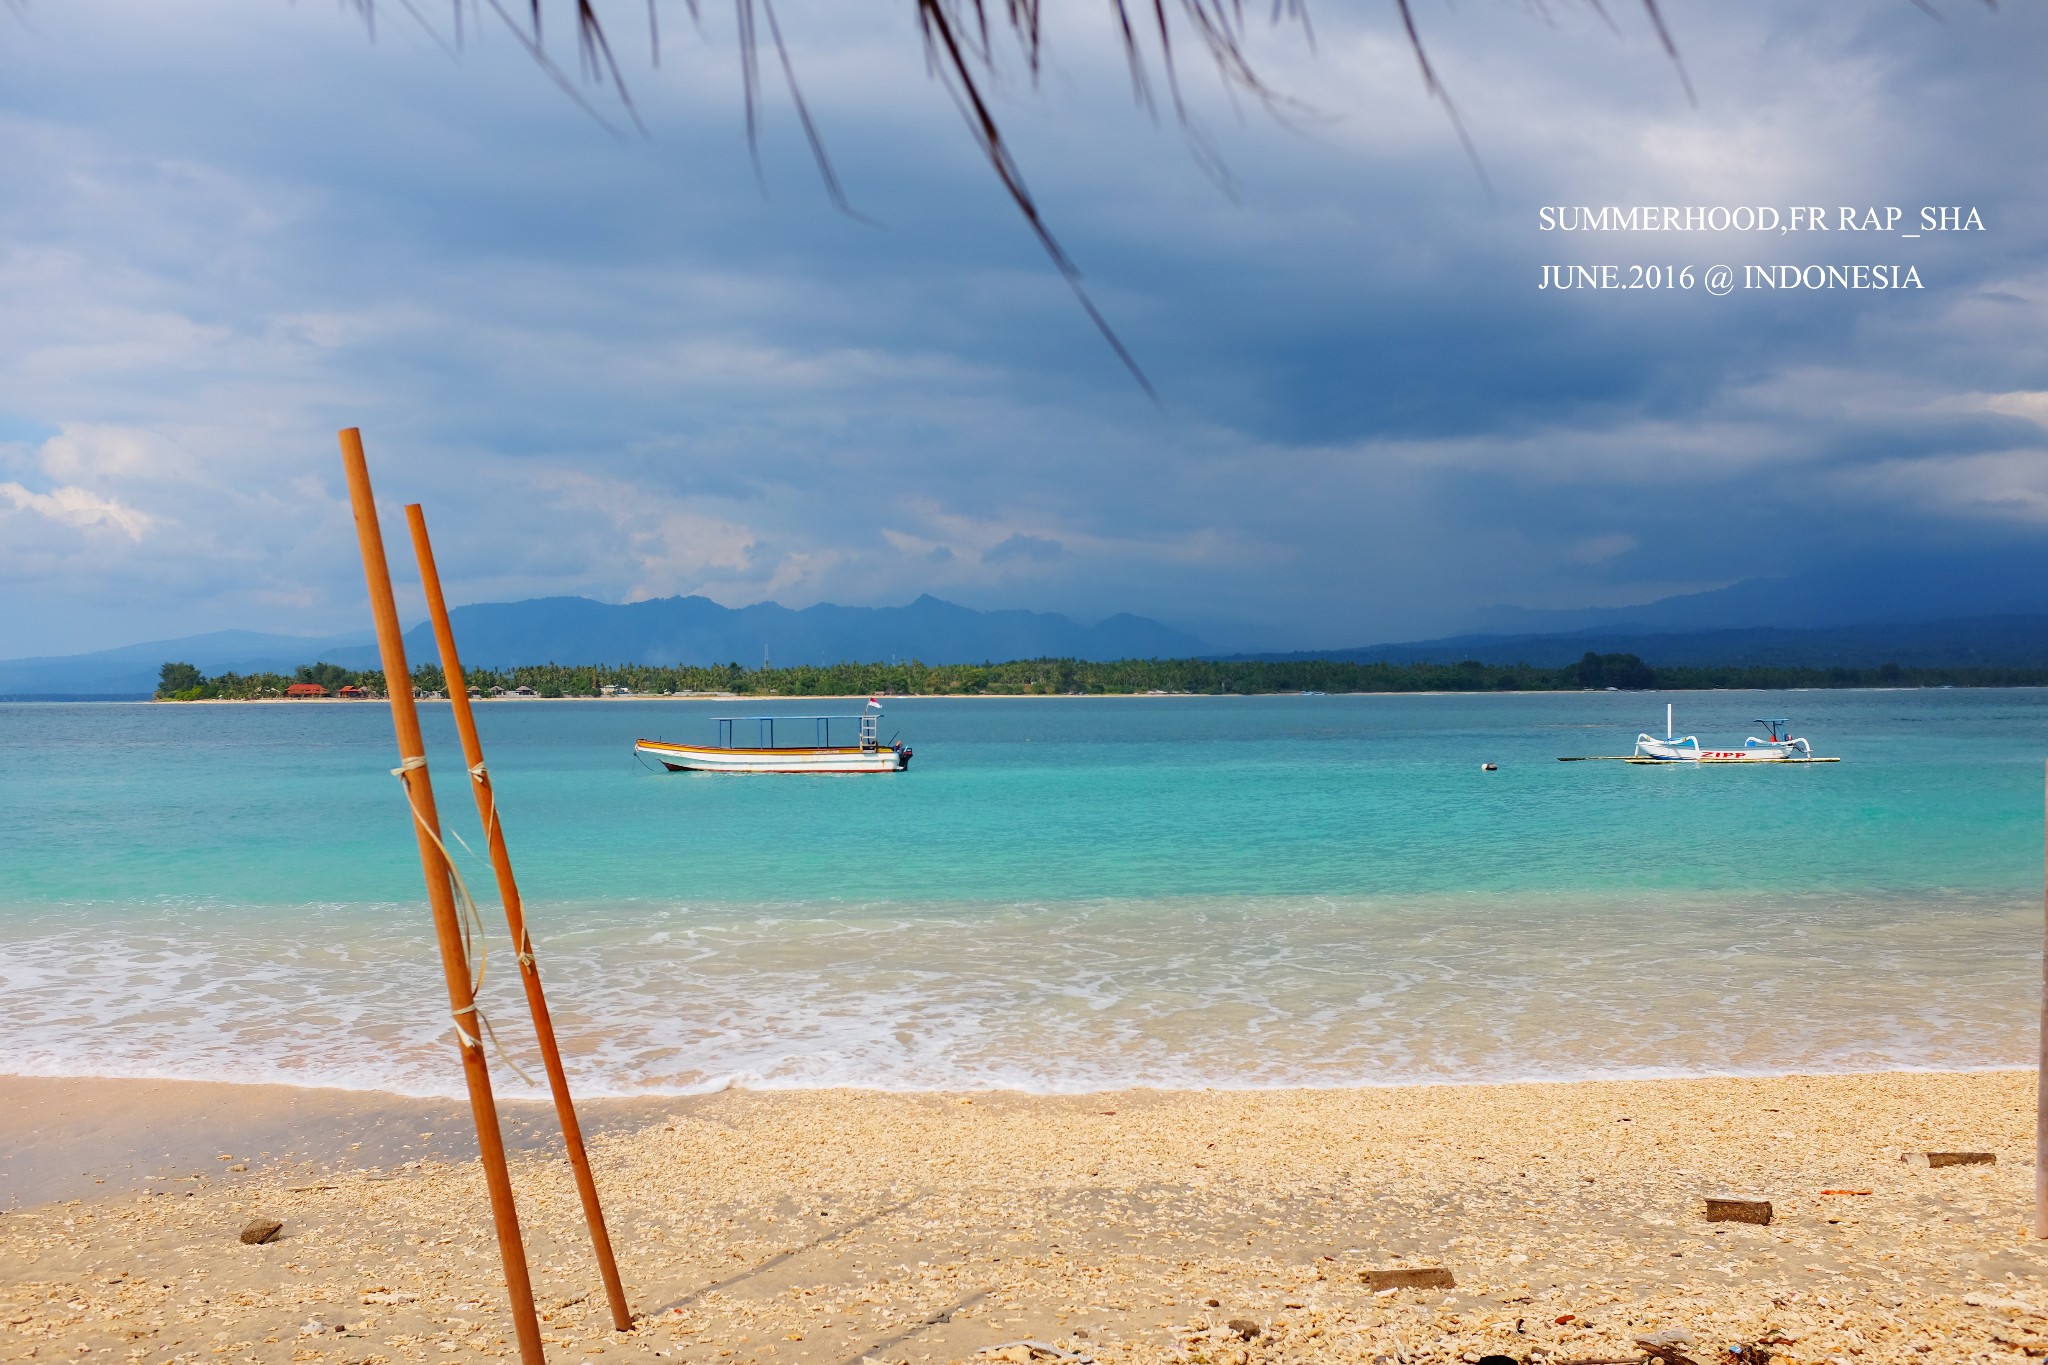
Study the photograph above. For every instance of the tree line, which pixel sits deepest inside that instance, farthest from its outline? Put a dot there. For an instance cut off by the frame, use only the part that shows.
(1069, 677)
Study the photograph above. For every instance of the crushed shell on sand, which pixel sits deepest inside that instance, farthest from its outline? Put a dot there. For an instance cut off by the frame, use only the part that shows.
(840, 1227)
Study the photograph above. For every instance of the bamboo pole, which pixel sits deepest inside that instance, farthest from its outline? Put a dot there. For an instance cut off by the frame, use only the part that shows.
(405, 721)
(515, 917)
(2041, 1096)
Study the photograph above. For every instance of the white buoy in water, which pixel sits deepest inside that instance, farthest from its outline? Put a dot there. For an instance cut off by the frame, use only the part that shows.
(1489, 767)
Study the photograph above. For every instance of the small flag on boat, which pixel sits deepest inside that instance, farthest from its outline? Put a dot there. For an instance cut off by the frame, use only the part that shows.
(872, 702)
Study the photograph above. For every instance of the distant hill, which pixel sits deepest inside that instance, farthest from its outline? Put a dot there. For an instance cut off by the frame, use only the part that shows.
(130, 671)
(1904, 586)
(669, 630)
(1982, 607)
(696, 630)
(1978, 609)
(1976, 641)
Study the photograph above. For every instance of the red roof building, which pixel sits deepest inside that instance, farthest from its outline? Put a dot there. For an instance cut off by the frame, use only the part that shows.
(305, 690)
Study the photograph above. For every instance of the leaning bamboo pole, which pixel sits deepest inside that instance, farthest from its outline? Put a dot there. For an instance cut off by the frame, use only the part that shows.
(515, 916)
(419, 792)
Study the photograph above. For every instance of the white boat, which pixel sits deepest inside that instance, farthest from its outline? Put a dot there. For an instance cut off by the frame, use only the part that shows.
(1671, 748)
(868, 755)
(1779, 747)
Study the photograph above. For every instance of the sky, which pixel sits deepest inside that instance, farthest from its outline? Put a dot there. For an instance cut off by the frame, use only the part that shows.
(624, 365)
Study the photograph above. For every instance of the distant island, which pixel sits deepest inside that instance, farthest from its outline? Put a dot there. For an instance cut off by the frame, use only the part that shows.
(1816, 636)
(1068, 677)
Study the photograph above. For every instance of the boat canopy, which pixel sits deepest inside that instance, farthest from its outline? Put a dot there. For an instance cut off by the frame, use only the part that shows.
(821, 728)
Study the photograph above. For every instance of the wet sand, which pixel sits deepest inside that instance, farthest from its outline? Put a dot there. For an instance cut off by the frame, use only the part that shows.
(839, 1226)
(89, 1137)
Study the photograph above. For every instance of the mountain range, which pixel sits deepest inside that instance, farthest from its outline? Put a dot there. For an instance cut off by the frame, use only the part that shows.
(1972, 608)
(667, 630)
(1892, 587)
(1965, 642)
(1985, 607)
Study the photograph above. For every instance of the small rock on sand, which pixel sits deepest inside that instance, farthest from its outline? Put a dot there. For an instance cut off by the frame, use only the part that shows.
(1733, 1210)
(261, 1230)
(1937, 1160)
(1409, 1277)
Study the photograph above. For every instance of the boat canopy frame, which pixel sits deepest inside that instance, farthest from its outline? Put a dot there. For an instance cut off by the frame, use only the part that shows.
(765, 729)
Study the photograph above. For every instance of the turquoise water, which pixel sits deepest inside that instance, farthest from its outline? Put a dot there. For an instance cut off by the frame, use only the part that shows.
(1060, 893)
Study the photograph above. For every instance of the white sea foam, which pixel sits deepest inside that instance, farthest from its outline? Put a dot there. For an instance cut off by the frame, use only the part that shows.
(1066, 996)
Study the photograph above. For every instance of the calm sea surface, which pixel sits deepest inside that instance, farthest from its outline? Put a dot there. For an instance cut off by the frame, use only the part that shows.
(1060, 894)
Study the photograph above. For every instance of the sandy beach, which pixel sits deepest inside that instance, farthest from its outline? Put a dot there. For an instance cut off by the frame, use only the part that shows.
(840, 1226)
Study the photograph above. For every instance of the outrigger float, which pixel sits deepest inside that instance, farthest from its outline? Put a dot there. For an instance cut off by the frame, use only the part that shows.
(1779, 746)
(870, 755)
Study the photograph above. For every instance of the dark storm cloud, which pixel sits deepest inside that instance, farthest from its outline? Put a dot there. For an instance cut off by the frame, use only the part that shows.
(610, 365)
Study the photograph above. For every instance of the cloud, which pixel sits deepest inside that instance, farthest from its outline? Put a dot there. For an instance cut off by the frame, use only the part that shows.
(615, 367)
(76, 507)
(118, 455)
(2029, 404)
(1022, 548)
(2004, 485)
(1599, 549)
(668, 545)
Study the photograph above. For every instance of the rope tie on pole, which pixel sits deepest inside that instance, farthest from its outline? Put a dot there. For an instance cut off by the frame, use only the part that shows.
(481, 775)
(496, 1046)
(476, 945)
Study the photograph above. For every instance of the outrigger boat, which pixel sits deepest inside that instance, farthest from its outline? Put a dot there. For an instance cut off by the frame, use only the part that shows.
(1670, 749)
(870, 755)
(1778, 746)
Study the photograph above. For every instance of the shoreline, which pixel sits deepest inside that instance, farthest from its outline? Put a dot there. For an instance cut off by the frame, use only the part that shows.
(1008, 696)
(836, 1226)
(342, 1095)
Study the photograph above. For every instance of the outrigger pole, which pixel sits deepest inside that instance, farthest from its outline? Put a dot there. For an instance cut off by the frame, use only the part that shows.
(419, 792)
(515, 917)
